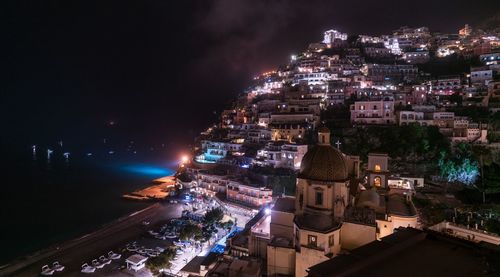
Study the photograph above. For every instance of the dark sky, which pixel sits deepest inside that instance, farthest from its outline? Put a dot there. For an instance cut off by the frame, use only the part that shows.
(160, 68)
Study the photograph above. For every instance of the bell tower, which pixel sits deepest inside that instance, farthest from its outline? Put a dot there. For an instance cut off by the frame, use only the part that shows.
(324, 136)
(378, 170)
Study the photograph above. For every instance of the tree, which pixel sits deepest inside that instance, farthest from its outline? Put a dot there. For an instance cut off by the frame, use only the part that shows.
(460, 168)
(190, 231)
(228, 224)
(156, 264)
(213, 216)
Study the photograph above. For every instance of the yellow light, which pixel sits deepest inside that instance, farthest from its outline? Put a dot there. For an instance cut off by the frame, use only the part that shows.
(185, 159)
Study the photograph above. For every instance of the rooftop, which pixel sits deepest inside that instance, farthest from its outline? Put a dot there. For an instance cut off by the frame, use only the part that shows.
(317, 223)
(136, 259)
(422, 253)
(240, 240)
(285, 204)
(194, 265)
(281, 242)
(262, 227)
(397, 205)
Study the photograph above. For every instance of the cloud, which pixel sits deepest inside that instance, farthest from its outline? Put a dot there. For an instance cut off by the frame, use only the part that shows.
(241, 32)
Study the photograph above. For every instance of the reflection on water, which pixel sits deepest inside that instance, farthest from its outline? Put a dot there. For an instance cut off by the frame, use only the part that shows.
(45, 201)
(148, 170)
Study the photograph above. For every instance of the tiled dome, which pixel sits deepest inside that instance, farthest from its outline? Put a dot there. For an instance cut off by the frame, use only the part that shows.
(324, 163)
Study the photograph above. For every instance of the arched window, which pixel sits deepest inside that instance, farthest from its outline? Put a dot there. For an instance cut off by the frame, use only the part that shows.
(319, 198)
(377, 181)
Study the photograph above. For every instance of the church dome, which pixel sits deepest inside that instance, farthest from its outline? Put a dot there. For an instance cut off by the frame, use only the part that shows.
(369, 198)
(324, 163)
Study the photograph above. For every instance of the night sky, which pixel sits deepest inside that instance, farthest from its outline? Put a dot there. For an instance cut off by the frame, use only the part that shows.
(160, 69)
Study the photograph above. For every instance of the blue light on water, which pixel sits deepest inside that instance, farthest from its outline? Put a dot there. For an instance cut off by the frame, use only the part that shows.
(148, 170)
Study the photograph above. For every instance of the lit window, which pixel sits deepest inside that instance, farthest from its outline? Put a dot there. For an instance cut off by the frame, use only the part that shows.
(377, 167)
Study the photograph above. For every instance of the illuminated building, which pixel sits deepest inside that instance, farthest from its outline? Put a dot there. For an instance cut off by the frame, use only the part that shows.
(373, 112)
(329, 213)
(465, 31)
(481, 75)
(446, 85)
(331, 35)
(214, 150)
(416, 56)
(489, 59)
(390, 72)
(281, 154)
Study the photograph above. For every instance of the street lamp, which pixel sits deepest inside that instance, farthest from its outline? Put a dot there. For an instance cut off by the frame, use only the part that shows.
(184, 159)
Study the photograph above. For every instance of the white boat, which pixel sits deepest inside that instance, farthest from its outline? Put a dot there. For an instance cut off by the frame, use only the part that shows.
(160, 237)
(170, 236)
(113, 256)
(178, 243)
(132, 248)
(97, 264)
(153, 233)
(153, 253)
(87, 268)
(104, 260)
(57, 266)
(46, 270)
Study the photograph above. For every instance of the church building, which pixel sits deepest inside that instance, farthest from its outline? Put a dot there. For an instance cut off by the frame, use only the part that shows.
(332, 212)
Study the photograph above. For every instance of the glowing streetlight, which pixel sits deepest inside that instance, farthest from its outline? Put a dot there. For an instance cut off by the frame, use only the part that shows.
(185, 159)
(267, 211)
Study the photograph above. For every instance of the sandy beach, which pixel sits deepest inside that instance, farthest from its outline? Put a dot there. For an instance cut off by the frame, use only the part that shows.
(158, 190)
(111, 237)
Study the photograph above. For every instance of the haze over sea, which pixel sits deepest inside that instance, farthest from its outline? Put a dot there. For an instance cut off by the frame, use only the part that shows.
(45, 202)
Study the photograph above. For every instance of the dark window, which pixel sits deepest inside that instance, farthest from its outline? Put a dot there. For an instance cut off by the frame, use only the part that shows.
(319, 198)
(331, 240)
(312, 240)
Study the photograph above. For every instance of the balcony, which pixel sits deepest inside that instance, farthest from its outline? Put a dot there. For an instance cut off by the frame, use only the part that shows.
(319, 247)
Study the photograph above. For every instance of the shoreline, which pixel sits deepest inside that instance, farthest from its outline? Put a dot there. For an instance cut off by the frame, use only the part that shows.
(159, 189)
(64, 245)
(60, 245)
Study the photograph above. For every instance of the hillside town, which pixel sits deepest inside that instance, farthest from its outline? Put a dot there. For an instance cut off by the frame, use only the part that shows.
(357, 146)
(358, 151)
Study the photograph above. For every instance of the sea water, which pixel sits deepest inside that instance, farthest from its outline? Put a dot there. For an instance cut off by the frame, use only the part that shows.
(48, 200)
